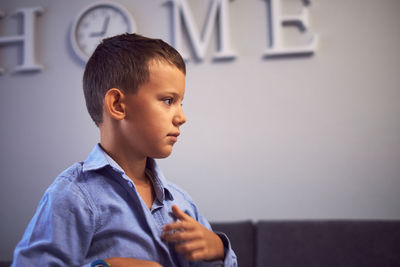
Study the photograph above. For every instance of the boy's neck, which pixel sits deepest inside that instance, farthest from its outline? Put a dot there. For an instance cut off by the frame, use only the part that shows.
(112, 142)
(133, 166)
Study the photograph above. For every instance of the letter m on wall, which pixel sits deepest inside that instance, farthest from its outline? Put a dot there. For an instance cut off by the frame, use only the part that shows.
(218, 14)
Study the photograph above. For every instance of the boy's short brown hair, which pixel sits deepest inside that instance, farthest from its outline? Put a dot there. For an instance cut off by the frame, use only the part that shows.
(122, 62)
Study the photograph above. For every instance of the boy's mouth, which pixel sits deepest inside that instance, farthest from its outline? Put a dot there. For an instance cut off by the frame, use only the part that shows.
(176, 134)
(173, 136)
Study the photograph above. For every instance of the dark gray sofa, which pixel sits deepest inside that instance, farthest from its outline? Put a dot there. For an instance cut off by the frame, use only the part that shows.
(343, 243)
(315, 243)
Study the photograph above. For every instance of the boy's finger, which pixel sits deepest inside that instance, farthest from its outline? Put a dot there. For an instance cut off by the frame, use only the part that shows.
(178, 226)
(188, 247)
(179, 213)
(179, 236)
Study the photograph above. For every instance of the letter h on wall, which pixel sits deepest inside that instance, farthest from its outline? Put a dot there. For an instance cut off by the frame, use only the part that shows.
(27, 39)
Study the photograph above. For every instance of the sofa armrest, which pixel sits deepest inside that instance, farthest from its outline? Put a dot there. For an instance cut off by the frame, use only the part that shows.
(328, 243)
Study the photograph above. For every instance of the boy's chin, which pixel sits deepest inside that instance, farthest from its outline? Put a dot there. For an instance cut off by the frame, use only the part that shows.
(161, 154)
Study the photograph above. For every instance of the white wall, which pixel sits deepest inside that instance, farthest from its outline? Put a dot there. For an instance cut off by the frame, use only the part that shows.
(289, 138)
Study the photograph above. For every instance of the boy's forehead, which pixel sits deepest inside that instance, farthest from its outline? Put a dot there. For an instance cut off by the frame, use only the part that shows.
(157, 63)
(164, 76)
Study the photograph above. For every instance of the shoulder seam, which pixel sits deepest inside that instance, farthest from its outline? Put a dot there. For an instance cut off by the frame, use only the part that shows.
(85, 194)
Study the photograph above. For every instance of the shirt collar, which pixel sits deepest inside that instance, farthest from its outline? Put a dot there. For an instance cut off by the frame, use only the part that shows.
(96, 160)
(99, 159)
(160, 184)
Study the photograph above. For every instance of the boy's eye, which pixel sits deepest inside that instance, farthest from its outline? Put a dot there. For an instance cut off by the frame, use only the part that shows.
(168, 101)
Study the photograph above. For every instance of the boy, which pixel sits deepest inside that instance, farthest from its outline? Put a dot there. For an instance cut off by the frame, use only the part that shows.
(116, 208)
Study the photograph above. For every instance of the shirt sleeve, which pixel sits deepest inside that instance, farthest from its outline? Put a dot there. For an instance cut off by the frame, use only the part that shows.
(230, 256)
(61, 230)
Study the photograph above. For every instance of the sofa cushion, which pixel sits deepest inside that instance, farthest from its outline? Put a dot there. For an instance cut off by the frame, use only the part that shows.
(328, 243)
(242, 238)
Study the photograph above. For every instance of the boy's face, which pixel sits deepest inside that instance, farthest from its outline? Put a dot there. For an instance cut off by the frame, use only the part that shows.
(154, 113)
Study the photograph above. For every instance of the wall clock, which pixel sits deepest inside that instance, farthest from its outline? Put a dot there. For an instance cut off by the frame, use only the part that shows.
(96, 22)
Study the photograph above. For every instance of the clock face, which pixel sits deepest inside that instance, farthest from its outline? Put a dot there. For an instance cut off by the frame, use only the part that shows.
(97, 22)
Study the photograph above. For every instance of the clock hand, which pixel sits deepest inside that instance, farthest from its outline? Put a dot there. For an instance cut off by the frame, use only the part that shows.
(105, 25)
(103, 30)
(96, 34)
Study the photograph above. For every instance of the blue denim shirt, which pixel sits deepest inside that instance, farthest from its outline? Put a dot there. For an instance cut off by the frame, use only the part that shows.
(93, 211)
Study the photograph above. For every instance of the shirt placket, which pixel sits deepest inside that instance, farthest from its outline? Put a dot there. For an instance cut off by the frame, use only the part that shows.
(154, 221)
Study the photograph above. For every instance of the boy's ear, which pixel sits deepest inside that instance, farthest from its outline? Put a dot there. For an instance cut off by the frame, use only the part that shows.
(114, 102)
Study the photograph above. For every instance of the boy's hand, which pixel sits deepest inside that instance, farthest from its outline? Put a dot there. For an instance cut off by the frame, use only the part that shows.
(130, 262)
(192, 239)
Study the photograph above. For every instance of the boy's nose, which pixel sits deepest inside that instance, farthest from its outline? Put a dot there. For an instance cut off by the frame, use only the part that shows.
(179, 118)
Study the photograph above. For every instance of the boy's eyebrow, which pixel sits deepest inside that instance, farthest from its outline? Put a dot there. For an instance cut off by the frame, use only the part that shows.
(175, 94)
